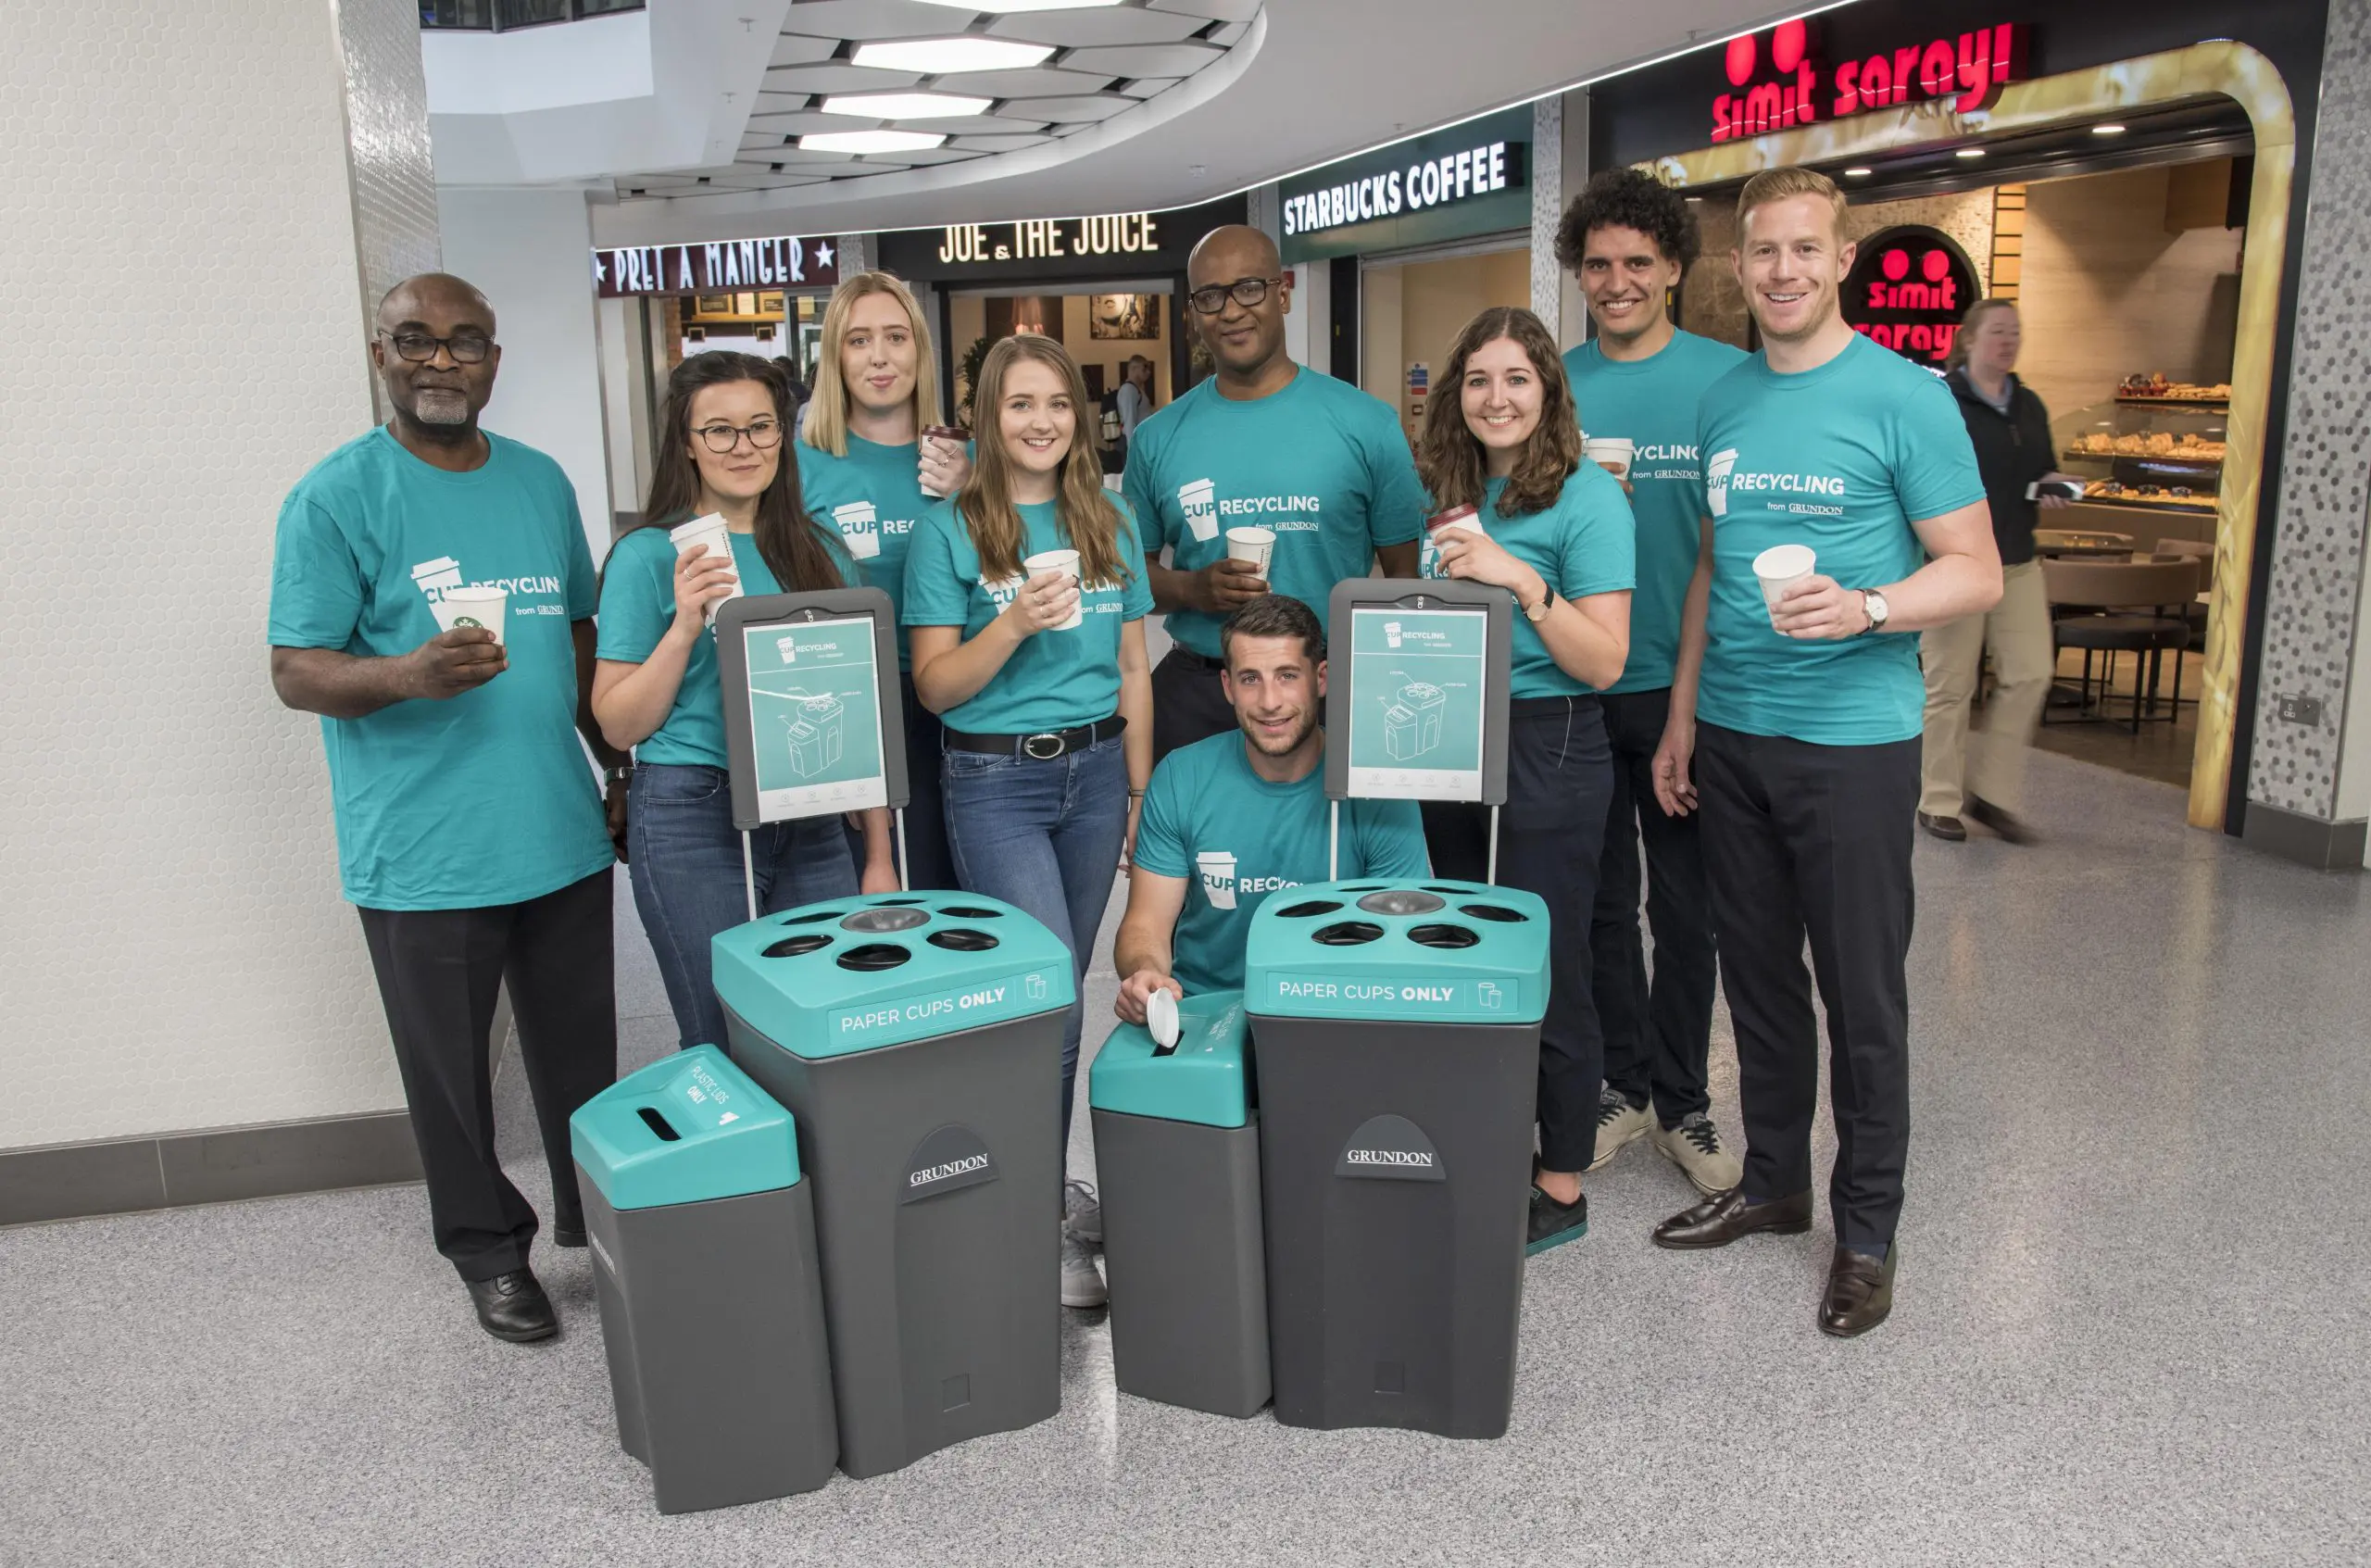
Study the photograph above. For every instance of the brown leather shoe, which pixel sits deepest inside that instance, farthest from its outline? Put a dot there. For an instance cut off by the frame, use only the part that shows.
(1726, 1216)
(1860, 1293)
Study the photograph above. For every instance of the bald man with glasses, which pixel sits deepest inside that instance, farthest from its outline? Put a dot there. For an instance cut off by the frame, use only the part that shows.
(1265, 442)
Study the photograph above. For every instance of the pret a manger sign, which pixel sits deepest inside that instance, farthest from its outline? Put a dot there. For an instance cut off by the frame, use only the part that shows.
(784, 261)
(1781, 82)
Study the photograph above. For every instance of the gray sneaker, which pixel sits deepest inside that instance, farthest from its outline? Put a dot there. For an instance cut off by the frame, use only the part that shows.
(1082, 1281)
(1695, 1146)
(1619, 1124)
(1082, 1213)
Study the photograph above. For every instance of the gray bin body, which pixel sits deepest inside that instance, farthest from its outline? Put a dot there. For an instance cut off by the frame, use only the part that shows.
(1395, 1289)
(712, 1319)
(942, 1299)
(1182, 1249)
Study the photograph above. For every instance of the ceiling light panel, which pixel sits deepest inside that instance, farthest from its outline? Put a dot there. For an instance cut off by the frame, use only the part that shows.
(867, 20)
(939, 57)
(906, 106)
(862, 141)
(1046, 82)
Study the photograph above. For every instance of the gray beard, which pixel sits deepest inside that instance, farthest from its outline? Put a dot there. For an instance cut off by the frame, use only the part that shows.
(441, 408)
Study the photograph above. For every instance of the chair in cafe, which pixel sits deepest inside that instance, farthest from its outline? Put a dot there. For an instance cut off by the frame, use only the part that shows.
(2202, 552)
(2112, 608)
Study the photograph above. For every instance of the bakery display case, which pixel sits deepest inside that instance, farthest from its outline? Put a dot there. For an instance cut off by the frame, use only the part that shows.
(2156, 445)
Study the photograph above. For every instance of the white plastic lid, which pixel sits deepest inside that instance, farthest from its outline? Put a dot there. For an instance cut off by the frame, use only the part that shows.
(1160, 1017)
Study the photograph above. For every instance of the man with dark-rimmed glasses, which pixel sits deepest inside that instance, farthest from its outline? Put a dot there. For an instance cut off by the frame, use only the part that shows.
(470, 830)
(1263, 443)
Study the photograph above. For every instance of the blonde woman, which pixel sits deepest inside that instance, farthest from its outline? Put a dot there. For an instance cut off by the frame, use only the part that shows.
(1025, 598)
(869, 470)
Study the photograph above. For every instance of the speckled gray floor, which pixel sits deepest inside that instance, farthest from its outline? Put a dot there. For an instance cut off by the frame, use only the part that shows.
(2132, 1325)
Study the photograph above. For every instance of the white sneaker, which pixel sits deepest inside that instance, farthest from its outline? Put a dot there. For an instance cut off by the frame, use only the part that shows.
(1695, 1146)
(1618, 1124)
(1082, 1281)
(1082, 1213)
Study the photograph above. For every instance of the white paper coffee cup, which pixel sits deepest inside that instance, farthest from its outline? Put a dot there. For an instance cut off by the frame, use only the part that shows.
(1254, 546)
(1779, 569)
(473, 607)
(713, 535)
(1612, 453)
(1065, 562)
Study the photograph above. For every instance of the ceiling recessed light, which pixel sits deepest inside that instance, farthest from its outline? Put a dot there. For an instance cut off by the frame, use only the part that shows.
(1003, 6)
(1858, 173)
(1969, 153)
(2107, 130)
(906, 106)
(939, 57)
(872, 142)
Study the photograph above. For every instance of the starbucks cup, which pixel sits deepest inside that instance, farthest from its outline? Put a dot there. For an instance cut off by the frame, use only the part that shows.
(712, 534)
(472, 606)
(1437, 527)
(1612, 453)
(1065, 562)
(1254, 546)
(955, 436)
(1779, 568)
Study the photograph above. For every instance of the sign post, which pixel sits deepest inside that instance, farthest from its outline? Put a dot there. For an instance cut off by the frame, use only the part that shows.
(812, 721)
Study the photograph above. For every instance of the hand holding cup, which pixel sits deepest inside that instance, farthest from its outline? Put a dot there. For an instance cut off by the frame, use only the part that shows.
(702, 581)
(456, 662)
(1048, 601)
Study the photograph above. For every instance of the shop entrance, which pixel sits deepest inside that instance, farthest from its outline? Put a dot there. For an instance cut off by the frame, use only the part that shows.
(1413, 302)
(1106, 330)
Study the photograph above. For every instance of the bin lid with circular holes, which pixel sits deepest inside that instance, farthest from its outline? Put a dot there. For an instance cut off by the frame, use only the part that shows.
(856, 975)
(1407, 949)
(1206, 1080)
(686, 1129)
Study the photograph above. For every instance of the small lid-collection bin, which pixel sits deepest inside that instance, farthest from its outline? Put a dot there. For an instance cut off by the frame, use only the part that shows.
(687, 1129)
(1408, 950)
(1207, 1079)
(857, 974)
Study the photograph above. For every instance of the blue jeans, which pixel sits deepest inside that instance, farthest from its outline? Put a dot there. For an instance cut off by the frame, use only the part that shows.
(688, 878)
(1043, 837)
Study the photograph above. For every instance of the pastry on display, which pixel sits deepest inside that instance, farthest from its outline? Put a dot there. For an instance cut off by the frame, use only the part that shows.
(2155, 387)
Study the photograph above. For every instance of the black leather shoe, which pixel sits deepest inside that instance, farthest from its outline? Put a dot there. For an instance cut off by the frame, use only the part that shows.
(2003, 822)
(1951, 829)
(1860, 1293)
(568, 1235)
(1726, 1216)
(514, 1306)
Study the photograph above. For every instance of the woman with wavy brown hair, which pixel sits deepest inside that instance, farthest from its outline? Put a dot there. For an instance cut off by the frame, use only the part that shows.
(1025, 598)
(1514, 506)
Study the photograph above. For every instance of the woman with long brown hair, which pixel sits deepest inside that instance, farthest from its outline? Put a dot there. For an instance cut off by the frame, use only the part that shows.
(655, 686)
(1025, 598)
(1514, 506)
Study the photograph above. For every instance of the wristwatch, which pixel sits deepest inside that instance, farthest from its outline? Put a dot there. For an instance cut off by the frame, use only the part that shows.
(1874, 604)
(1539, 611)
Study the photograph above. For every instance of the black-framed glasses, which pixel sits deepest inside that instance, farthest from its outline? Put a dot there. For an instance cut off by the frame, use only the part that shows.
(1246, 292)
(764, 435)
(467, 348)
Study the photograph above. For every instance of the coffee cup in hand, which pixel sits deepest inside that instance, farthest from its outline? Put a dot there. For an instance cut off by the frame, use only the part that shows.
(953, 436)
(712, 534)
(1612, 453)
(458, 608)
(1436, 528)
(1255, 547)
(1779, 569)
(1065, 562)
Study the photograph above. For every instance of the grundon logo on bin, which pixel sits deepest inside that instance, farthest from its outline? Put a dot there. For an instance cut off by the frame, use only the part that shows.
(950, 1159)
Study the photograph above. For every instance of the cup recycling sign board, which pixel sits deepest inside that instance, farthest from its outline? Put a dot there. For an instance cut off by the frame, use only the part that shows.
(1420, 688)
(814, 717)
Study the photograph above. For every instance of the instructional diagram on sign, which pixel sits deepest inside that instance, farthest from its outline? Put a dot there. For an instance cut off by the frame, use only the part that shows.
(815, 718)
(1418, 685)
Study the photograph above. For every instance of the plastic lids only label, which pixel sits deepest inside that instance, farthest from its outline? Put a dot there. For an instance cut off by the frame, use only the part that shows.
(950, 1159)
(1489, 995)
(856, 1023)
(705, 1096)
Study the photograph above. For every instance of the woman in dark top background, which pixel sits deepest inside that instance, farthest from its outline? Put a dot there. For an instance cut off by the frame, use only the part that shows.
(1981, 773)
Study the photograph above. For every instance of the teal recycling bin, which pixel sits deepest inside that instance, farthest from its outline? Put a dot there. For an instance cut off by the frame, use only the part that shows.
(918, 1039)
(1396, 1029)
(1178, 1149)
(704, 1262)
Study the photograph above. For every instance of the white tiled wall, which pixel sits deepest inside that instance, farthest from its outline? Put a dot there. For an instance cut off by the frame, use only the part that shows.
(184, 339)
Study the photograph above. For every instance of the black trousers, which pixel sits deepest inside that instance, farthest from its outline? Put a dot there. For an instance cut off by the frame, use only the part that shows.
(438, 971)
(1188, 702)
(1814, 840)
(1658, 1033)
(1552, 834)
(928, 863)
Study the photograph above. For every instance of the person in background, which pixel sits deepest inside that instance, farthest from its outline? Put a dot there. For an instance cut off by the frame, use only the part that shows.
(655, 688)
(1261, 444)
(1554, 531)
(1798, 715)
(470, 832)
(1630, 239)
(867, 470)
(1040, 674)
(1230, 820)
(1981, 771)
(1134, 398)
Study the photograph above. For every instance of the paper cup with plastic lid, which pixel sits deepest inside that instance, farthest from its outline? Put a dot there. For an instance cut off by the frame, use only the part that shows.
(1253, 546)
(1612, 453)
(1779, 569)
(712, 534)
(1437, 526)
(1160, 1018)
(1065, 562)
(955, 436)
(458, 608)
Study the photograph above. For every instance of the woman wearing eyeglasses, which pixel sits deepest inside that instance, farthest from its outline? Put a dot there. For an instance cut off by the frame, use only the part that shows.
(655, 686)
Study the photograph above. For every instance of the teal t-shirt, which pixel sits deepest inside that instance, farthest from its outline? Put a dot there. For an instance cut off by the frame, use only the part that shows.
(1843, 458)
(475, 800)
(1055, 680)
(638, 606)
(1320, 464)
(1238, 838)
(873, 497)
(1580, 545)
(1652, 403)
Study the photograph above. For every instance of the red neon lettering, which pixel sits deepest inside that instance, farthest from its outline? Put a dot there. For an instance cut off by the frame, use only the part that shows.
(1761, 105)
(1848, 96)
(1939, 68)
(1905, 66)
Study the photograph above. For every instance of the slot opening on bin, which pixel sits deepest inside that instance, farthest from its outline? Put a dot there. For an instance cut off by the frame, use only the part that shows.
(969, 912)
(874, 956)
(1348, 933)
(1402, 901)
(817, 917)
(962, 940)
(1497, 913)
(1444, 937)
(885, 918)
(659, 1125)
(791, 946)
(1309, 907)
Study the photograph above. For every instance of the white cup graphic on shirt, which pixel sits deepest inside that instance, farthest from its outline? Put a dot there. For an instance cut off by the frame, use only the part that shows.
(859, 530)
(1217, 869)
(714, 535)
(472, 606)
(1779, 569)
(1065, 562)
(1198, 501)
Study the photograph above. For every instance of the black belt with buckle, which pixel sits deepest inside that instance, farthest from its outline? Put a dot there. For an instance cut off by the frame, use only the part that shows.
(1191, 659)
(1041, 746)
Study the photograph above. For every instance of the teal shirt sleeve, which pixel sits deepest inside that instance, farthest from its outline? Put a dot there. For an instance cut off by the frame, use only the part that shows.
(584, 583)
(1598, 554)
(1137, 600)
(1136, 486)
(1933, 459)
(935, 596)
(1397, 514)
(1160, 826)
(638, 598)
(315, 582)
(1392, 840)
